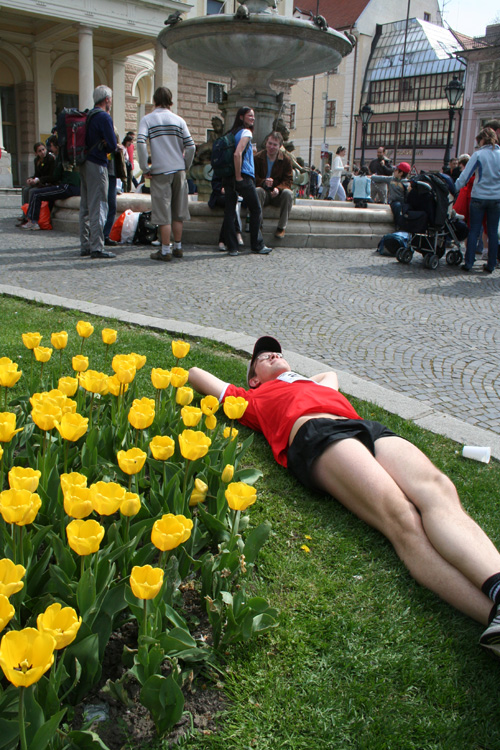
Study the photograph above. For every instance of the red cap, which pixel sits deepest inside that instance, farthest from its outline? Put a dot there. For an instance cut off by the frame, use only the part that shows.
(404, 167)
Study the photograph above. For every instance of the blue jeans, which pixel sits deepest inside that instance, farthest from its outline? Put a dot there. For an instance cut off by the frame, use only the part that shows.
(478, 208)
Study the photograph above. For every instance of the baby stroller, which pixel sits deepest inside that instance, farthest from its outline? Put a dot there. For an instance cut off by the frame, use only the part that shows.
(426, 216)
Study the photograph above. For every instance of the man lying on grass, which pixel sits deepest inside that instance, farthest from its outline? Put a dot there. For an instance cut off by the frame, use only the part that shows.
(382, 478)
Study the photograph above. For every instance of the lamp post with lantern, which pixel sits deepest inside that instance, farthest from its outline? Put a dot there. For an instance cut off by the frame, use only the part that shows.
(453, 90)
(365, 114)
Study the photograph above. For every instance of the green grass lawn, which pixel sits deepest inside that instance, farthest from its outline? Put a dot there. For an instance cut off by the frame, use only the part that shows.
(363, 656)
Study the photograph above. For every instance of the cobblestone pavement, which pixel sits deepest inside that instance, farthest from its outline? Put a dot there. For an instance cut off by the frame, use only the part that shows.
(433, 335)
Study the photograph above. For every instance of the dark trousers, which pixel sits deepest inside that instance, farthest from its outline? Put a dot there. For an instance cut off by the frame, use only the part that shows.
(111, 206)
(245, 188)
(50, 193)
(220, 202)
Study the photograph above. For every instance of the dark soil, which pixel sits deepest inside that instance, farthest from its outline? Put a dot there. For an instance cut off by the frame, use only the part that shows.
(126, 722)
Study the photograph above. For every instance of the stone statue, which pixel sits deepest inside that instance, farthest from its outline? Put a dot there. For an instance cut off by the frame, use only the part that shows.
(174, 18)
(204, 150)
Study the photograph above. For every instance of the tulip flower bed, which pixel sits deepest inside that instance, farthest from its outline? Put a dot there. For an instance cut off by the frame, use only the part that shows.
(118, 496)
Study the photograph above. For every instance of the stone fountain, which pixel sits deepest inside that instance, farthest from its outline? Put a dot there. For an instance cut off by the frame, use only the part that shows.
(255, 46)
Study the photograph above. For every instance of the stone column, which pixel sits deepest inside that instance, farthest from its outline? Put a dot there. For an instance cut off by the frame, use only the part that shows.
(43, 91)
(166, 72)
(85, 67)
(5, 161)
(118, 86)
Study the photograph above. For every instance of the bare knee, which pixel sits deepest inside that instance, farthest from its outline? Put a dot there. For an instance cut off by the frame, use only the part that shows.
(437, 492)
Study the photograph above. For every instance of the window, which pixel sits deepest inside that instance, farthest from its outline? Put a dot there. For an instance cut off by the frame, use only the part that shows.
(292, 116)
(424, 134)
(215, 92)
(424, 87)
(489, 76)
(427, 17)
(330, 113)
(214, 7)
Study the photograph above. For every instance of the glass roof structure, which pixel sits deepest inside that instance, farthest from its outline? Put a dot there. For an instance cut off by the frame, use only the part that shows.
(429, 52)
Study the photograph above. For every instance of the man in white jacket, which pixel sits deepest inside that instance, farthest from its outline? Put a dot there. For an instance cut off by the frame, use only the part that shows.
(172, 152)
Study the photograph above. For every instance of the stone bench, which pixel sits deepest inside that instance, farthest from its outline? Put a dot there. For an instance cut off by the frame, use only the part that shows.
(334, 224)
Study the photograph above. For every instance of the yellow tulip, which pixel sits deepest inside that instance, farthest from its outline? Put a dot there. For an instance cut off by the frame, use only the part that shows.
(46, 415)
(170, 531)
(8, 426)
(1, 452)
(84, 537)
(84, 329)
(131, 505)
(74, 479)
(24, 479)
(194, 444)
(114, 386)
(109, 336)
(94, 382)
(80, 363)
(7, 612)
(235, 407)
(106, 497)
(30, 340)
(144, 401)
(199, 492)
(191, 415)
(131, 461)
(62, 623)
(68, 386)
(162, 447)
(138, 359)
(228, 473)
(141, 416)
(209, 405)
(42, 353)
(25, 655)
(72, 426)
(184, 395)
(210, 422)
(122, 359)
(9, 374)
(77, 503)
(179, 377)
(240, 496)
(19, 506)
(146, 581)
(59, 340)
(160, 378)
(180, 349)
(10, 577)
(125, 373)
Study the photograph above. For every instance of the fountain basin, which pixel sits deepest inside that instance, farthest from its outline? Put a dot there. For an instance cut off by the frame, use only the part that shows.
(255, 51)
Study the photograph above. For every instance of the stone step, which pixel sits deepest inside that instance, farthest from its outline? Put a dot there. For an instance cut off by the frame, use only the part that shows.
(332, 224)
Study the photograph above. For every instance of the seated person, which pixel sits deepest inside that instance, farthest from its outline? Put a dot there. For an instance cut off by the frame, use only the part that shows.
(66, 184)
(218, 200)
(273, 179)
(397, 190)
(383, 479)
(361, 188)
(44, 166)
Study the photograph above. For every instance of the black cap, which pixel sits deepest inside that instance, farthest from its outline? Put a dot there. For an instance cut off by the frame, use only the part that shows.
(264, 344)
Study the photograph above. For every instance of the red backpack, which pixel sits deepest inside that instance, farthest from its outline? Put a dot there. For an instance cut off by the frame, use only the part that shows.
(71, 129)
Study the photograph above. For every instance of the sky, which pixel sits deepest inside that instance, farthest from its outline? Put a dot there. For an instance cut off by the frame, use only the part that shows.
(468, 17)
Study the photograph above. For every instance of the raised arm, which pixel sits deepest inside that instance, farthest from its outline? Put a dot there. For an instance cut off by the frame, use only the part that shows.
(329, 379)
(206, 383)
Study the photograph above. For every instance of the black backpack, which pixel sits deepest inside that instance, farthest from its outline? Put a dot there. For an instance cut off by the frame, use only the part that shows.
(146, 232)
(222, 160)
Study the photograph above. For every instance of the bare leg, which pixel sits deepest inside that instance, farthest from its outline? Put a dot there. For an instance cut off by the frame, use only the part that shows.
(348, 471)
(165, 234)
(177, 230)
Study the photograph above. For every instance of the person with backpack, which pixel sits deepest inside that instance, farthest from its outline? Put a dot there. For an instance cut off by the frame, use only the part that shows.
(243, 183)
(100, 140)
(172, 152)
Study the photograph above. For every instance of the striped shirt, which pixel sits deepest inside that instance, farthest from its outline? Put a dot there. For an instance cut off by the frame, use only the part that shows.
(172, 148)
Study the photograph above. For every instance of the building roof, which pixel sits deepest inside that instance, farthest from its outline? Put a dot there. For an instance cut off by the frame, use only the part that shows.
(340, 14)
(429, 50)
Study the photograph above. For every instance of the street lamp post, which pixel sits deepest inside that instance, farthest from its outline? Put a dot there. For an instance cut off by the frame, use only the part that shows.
(453, 90)
(365, 115)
